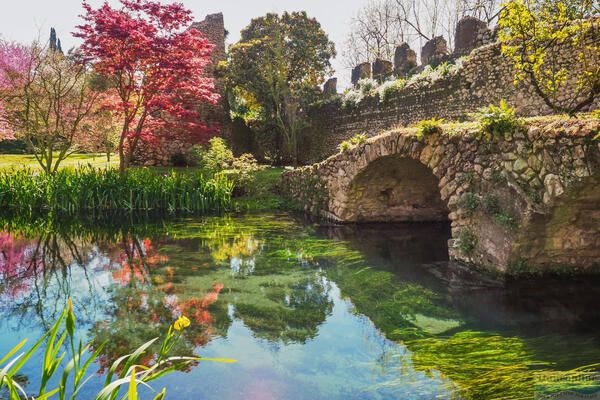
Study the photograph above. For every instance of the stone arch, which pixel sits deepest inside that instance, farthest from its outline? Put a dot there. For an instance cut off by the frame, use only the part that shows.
(568, 235)
(394, 188)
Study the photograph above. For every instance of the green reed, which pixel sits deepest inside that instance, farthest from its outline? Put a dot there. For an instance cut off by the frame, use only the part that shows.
(91, 189)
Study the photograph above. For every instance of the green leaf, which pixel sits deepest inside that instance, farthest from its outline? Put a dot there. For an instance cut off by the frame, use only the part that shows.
(161, 395)
(13, 351)
(132, 386)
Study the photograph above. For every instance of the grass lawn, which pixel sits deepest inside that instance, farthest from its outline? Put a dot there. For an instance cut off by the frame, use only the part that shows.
(8, 161)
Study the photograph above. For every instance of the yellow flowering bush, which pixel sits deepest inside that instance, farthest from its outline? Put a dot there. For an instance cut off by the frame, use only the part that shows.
(533, 34)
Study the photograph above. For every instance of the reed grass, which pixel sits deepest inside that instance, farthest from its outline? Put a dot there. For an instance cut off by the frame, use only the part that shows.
(91, 189)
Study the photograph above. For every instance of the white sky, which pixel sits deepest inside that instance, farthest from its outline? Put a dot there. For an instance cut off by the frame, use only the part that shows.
(21, 20)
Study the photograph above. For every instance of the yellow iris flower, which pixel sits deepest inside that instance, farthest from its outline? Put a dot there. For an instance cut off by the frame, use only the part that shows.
(182, 322)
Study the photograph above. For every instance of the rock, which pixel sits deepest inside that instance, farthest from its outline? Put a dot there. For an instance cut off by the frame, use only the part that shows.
(528, 175)
(434, 50)
(382, 69)
(553, 185)
(405, 59)
(520, 165)
(468, 30)
(361, 71)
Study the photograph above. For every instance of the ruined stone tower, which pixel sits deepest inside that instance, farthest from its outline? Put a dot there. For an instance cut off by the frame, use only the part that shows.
(213, 28)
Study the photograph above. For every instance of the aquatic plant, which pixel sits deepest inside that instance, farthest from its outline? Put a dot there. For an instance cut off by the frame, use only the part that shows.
(90, 189)
(115, 380)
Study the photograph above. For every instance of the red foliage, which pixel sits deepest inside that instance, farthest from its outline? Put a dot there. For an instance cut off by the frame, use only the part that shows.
(156, 68)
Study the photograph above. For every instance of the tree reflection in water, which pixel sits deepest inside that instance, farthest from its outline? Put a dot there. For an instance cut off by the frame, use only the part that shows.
(280, 278)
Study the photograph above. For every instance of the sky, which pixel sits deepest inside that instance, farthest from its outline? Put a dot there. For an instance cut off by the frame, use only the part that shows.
(22, 20)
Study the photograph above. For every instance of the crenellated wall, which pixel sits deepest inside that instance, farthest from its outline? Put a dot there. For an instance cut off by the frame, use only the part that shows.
(485, 77)
(525, 201)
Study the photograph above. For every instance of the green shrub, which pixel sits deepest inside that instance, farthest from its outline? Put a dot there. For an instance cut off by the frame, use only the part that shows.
(358, 139)
(497, 177)
(242, 173)
(13, 147)
(497, 120)
(428, 127)
(345, 145)
(491, 206)
(467, 241)
(87, 188)
(349, 103)
(469, 202)
(216, 158)
(355, 141)
(52, 367)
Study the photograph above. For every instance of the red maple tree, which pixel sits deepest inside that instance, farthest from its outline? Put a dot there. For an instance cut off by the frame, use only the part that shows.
(154, 67)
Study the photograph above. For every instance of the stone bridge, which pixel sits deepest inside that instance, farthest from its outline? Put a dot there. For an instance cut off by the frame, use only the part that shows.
(527, 201)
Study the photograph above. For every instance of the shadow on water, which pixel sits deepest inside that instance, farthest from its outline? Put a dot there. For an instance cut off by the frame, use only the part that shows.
(260, 285)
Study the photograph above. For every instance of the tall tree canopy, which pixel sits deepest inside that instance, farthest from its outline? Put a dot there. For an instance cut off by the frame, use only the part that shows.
(278, 61)
(155, 68)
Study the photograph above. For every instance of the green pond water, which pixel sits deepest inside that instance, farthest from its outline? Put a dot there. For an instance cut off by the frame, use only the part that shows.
(309, 311)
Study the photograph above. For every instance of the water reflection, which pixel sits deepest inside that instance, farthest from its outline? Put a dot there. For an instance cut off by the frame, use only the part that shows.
(311, 311)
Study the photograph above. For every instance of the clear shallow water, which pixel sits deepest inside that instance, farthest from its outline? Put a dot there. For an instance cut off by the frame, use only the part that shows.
(309, 311)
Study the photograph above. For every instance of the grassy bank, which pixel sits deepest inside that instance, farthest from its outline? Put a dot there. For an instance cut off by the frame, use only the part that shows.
(9, 161)
(254, 190)
(91, 189)
(260, 192)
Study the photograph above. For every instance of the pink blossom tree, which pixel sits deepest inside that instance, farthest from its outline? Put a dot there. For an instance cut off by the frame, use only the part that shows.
(45, 97)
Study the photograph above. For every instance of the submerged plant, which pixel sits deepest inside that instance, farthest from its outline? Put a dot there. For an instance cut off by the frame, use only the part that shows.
(132, 373)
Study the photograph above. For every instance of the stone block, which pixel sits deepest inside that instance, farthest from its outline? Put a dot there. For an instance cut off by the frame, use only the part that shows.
(434, 50)
(467, 32)
(405, 59)
(330, 87)
(382, 69)
(361, 71)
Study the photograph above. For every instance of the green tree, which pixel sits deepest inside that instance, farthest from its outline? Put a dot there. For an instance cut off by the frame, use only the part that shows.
(278, 63)
(534, 32)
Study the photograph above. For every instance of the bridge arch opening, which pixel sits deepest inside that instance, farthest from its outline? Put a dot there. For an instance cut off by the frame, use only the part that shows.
(395, 189)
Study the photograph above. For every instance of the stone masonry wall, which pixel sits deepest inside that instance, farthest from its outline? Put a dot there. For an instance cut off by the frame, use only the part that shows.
(525, 201)
(486, 77)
